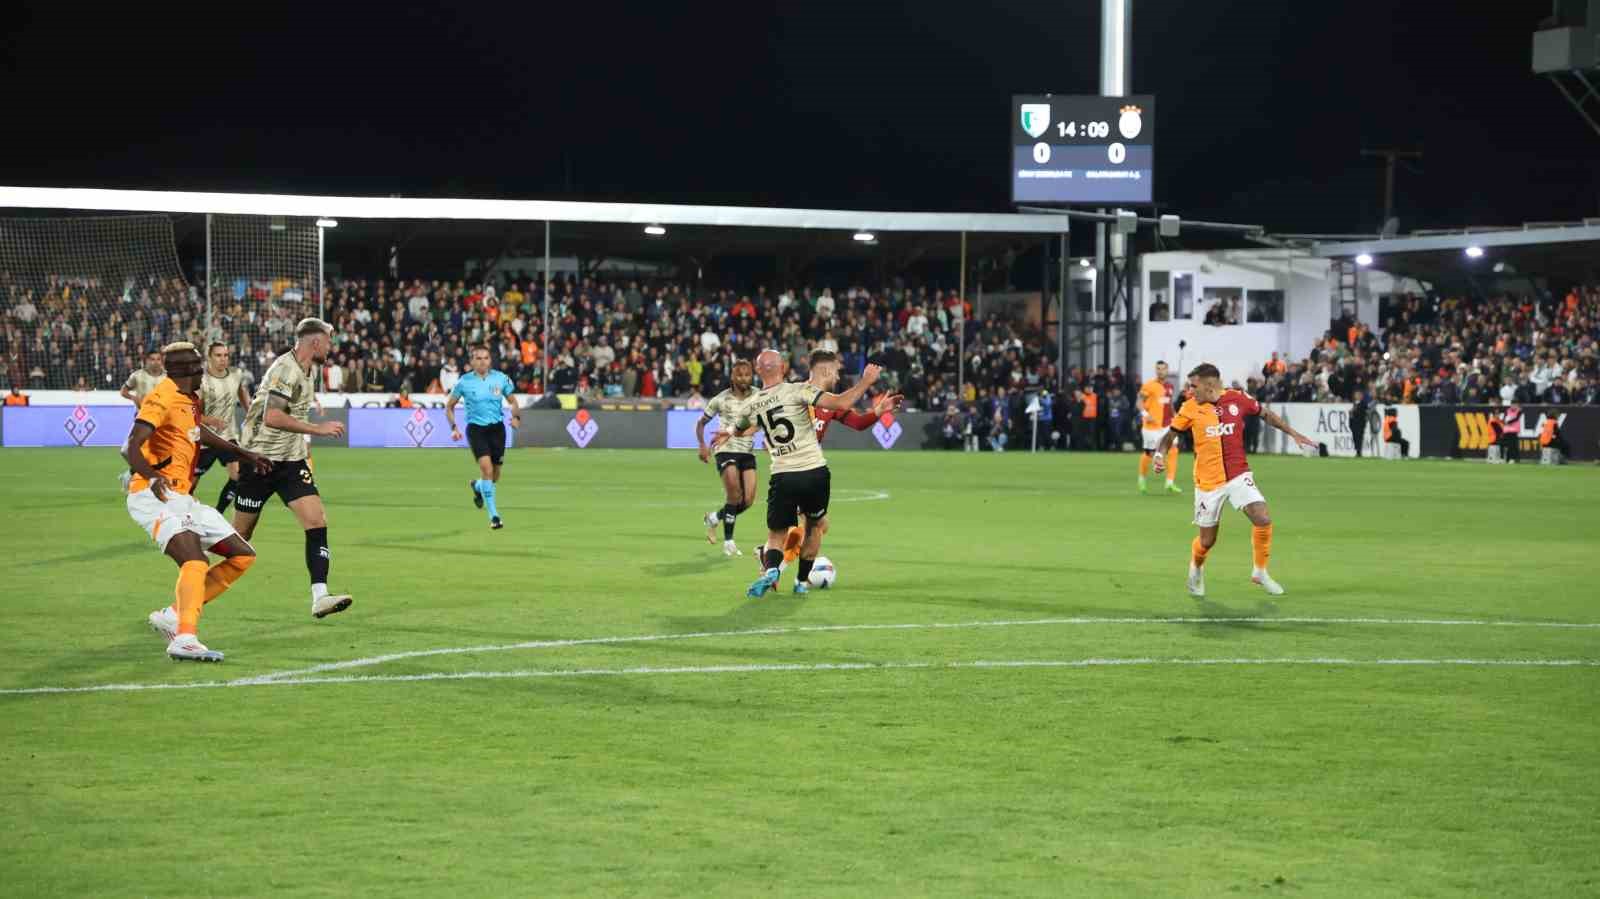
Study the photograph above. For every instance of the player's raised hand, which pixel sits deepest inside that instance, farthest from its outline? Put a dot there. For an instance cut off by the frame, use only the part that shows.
(331, 429)
(869, 375)
(887, 402)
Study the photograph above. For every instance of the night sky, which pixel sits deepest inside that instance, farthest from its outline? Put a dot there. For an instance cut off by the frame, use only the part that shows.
(1263, 105)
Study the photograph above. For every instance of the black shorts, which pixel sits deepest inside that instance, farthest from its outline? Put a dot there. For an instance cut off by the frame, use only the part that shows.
(745, 461)
(795, 493)
(210, 456)
(289, 480)
(487, 440)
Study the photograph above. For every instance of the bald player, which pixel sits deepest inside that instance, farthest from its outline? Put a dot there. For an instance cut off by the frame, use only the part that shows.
(161, 450)
(1216, 419)
(801, 483)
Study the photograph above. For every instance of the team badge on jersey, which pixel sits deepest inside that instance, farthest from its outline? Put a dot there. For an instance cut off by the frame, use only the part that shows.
(1233, 409)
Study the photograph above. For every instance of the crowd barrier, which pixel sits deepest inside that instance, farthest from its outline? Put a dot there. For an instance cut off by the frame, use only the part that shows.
(102, 419)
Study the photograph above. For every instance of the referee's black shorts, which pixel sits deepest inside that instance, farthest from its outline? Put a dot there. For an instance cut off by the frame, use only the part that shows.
(487, 440)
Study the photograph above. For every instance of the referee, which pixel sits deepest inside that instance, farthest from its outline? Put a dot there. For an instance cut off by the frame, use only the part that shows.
(485, 392)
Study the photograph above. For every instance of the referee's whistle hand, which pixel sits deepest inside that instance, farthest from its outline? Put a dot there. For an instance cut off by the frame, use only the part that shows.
(455, 435)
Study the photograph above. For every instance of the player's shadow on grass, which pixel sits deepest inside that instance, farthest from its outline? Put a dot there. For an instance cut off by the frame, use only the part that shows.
(748, 615)
(686, 567)
(114, 551)
(1227, 621)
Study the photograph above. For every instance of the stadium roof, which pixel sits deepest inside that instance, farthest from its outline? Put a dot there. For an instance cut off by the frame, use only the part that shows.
(415, 208)
(1563, 252)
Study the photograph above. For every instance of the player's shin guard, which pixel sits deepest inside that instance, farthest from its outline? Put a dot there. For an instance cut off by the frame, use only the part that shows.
(1198, 552)
(225, 498)
(224, 573)
(1172, 463)
(804, 574)
(1261, 545)
(317, 558)
(1144, 465)
(486, 487)
(191, 593)
(730, 514)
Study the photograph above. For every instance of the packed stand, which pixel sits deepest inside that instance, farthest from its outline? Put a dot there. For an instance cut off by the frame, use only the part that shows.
(1501, 350)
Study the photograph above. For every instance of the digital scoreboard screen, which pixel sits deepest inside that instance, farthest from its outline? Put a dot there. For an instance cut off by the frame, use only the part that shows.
(1082, 150)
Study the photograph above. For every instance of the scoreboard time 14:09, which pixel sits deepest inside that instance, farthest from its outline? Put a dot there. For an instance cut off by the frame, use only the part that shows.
(1082, 149)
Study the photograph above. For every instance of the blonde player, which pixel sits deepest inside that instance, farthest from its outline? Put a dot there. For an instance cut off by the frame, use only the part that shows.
(1216, 419)
(161, 449)
(1155, 412)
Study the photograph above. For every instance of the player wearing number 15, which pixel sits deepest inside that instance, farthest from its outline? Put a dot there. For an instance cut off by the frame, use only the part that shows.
(486, 392)
(276, 426)
(800, 483)
(1215, 417)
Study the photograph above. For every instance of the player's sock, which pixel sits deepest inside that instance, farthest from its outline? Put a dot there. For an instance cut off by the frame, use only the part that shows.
(191, 592)
(1197, 553)
(1172, 464)
(804, 575)
(224, 573)
(1261, 545)
(486, 487)
(225, 498)
(773, 557)
(730, 514)
(317, 560)
(1144, 466)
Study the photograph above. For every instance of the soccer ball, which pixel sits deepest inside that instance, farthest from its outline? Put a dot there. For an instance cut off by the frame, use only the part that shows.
(822, 573)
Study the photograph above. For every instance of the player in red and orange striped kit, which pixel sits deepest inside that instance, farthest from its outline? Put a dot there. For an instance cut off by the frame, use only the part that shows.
(1155, 412)
(1215, 417)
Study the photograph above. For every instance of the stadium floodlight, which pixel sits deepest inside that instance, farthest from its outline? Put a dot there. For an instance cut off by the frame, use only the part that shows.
(864, 237)
(1085, 262)
(1474, 252)
(327, 223)
(1364, 259)
(654, 230)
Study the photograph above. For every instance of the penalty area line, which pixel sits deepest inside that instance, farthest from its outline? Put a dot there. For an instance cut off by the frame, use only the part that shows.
(821, 667)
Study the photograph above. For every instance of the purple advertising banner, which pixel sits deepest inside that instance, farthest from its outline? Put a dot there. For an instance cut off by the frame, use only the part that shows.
(411, 428)
(67, 425)
(680, 430)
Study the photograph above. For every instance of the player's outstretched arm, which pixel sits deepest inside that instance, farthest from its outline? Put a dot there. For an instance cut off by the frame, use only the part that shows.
(141, 466)
(1272, 418)
(844, 402)
(211, 438)
(1158, 459)
(516, 410)
(700, 437)
(450, 415)
(277, 416)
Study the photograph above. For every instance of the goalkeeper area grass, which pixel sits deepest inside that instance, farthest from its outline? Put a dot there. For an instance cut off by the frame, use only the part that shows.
(1008, 692)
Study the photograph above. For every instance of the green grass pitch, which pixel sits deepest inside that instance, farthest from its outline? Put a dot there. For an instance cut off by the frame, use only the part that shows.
(995, 700)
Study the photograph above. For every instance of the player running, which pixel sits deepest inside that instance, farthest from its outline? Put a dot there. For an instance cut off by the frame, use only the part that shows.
(736, 459)
(222, 394)
(1215, 417)
(1155, 410)
(800, 484)
(161, 449)
(276, 426)
(825, 375)
(486, 391)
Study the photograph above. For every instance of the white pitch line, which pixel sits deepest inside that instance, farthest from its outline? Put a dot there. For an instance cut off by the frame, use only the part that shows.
(801, 669)
(957, 625)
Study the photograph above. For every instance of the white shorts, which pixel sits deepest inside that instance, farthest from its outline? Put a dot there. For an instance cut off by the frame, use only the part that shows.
(1241, 492)
(1152, 438)
(163, 520)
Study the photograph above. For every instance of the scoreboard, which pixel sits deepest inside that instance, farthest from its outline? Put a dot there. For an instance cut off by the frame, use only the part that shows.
(1087, 150)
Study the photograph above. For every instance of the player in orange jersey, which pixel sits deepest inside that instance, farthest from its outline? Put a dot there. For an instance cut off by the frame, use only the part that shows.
(1155, 411)
(825, 374)
(162, 450)
(1215, 417)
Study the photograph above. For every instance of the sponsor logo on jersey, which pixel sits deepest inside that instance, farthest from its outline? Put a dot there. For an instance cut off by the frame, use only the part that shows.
(1221, 430)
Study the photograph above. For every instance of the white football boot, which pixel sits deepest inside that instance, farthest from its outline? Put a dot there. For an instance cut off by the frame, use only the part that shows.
(188, 648)
(164, 622)
(730, 549)
(1260, 576)
(323, 606)
(1197, 581)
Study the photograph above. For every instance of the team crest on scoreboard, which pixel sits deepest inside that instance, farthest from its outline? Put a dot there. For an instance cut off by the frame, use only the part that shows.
(582, 428)
(1130, 122)
(1035, 118)
(80, 425)
(419, 427)
(887, 430)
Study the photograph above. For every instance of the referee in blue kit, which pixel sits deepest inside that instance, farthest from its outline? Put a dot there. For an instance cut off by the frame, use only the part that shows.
(485, 391)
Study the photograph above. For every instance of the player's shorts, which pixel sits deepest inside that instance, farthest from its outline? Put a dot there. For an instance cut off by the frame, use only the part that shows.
(289, 480)
(744, 461)
(795, 493)
(487, 440)
(1152, 438)
(210, 456)
(181, 512)
(1241, 492)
